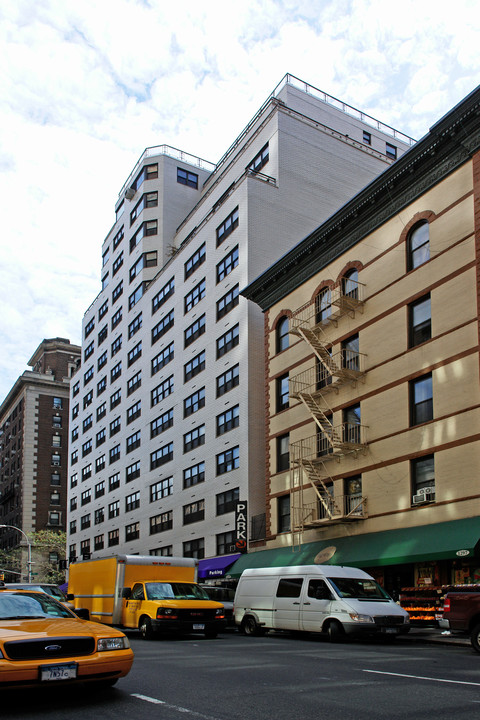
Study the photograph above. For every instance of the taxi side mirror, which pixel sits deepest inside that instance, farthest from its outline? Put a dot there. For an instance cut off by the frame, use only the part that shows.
(126, 593)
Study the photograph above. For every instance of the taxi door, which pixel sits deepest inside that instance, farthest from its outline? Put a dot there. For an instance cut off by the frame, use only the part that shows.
(132, 606)
(316, 604)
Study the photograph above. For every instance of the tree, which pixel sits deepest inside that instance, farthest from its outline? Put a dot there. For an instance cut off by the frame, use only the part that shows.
(48, 548)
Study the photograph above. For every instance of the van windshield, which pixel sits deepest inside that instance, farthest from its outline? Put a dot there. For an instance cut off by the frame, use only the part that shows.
(358, 588)
(175, 591)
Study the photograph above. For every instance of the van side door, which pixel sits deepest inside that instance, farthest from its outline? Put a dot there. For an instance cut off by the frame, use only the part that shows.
(316, 604)
(286, 610)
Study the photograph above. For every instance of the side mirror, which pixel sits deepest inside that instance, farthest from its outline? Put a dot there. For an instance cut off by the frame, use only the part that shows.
(70, 596)
(126, 593)
(82, 613)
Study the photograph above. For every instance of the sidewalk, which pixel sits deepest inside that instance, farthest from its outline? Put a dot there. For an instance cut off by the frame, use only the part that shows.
(435, 635)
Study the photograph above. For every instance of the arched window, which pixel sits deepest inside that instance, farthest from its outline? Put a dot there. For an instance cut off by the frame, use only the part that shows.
(282, 334)
(323, 307)
(350, 283)
(418, 245)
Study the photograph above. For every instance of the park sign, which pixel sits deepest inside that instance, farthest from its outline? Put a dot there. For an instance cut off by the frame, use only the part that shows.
(241, 535)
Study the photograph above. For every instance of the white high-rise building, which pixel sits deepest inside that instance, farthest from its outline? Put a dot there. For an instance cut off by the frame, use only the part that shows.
(168, 408)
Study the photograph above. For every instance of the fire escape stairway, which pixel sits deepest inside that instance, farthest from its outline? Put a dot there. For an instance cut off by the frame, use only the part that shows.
(316, 479)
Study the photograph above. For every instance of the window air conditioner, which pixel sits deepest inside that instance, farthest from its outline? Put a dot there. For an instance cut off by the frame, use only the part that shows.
(129, 193)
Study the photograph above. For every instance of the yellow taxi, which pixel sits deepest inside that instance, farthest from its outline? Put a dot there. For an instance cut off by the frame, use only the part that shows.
(42, 642)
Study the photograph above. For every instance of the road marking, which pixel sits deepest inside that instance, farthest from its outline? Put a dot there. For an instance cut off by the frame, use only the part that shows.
(421, 677)
(178, 708)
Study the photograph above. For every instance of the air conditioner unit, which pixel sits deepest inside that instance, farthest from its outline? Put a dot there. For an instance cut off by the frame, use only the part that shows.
(130, 192)
(426, 491)
(416, 499)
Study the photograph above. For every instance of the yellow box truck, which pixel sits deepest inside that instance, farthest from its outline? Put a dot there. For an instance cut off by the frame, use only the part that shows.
(154, 594)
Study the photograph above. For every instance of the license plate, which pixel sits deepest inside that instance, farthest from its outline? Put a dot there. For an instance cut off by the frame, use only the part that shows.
(199, 626)
(391, 631)
(58, 672)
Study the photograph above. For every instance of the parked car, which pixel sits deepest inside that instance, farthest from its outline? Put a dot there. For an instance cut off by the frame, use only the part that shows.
(461, 613)
(42, 641)
(225, 596)
(48, 588)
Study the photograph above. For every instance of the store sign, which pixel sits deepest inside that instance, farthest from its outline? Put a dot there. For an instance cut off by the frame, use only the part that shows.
(241, 526)
(462, 553)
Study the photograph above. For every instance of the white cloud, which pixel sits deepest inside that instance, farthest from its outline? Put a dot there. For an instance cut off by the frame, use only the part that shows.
(85, 87)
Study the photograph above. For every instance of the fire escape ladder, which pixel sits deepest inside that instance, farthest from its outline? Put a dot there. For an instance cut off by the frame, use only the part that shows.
(316, 479)
(321, 420)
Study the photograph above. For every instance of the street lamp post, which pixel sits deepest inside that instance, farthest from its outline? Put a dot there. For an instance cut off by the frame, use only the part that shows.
(29, 545)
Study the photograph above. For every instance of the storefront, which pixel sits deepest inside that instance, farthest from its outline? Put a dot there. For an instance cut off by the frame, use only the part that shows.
(215, 568)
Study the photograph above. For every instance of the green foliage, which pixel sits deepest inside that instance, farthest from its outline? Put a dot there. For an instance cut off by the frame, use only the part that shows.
(44, 568)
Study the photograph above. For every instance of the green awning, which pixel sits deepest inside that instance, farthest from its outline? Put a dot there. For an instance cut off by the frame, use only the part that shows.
(441, 541)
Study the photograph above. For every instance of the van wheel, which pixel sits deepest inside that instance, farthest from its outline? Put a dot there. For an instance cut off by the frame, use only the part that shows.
(335, 631)
(145, 627)
(250, 626)
(475, 637)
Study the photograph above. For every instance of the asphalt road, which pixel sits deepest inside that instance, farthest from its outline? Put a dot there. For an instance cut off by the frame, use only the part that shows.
(277, 677)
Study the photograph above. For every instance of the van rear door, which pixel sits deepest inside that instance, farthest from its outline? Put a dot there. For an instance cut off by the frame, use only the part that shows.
(286, 610)
(316, 604)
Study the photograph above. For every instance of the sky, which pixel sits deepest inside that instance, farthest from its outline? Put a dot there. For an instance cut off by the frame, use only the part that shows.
(86, 86)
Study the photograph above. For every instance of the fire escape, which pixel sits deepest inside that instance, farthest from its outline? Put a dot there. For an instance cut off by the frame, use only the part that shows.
(311, 458)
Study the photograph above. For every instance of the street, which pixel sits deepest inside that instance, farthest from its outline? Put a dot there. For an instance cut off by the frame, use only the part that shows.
(277, 677)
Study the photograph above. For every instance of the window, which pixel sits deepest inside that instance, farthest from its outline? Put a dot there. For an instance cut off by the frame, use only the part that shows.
(113, 538)
(87, 399)
(418, 245)
(421, 400)
(194, 366)
(225, 542)
(161, 423)
(132, 471)
(283, 514)
(86, 497)
(87, 423)
(114, 509)
(54, 517)
(105, 257)
(367, 137)
(132, 531)
(147, 200)
(74, 457)
(88, 375)
(352, 424)
(115, 426)
(132, 502)
(161, 456)
(114, 454)
(89, 350)
(228, 460)
(185, 177)
(75, 433)
(162, 391)
(116, 346)
(228, 380)
(99, 516)
(161, 523)
(117, 291)
(194, 438)
(56, 441)
(289, 587)
(350, 353)
(99, 463)
(73, 504)
(227, 302)
(73, 527)
(134, 354)
(323, 307)
(101, 411)
(134, 412)
(194, 402)
(194, 475)
(100, 437)
(423, 479)
(148, 172)
(149, 227)
(228, 341)
(118, 237)
(194, 296)
(55, 478)
(101, 385)
(194, 548)
(419, 321)
(102, 360)
(260, 160)
(228, 420)
(163, 326)
(228, 263)
(134, 382)
(133, 442)
(390, 151)
(85, 521)
(227, 501)
(193, 512)
(162, 296)
(227, 226)
(76, 389)
(100, 489)
(135, 326)
(135, 296)
(117, 318)
(98, 542)
(89, 327)
(75, 411)
(195, 261)
(283, 452)
(146, 259)
(102, 335)
(117, 263)
(161, 489)
(281, 334)
(86, 448)
(282, 395)
(114, 482)
(194, 331)
(115, 372)
(86, 472)
(163, 358)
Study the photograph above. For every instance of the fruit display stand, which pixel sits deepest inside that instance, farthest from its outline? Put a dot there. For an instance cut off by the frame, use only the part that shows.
(423, 603)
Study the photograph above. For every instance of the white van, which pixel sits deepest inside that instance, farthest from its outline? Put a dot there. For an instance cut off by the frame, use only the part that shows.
(316, 598)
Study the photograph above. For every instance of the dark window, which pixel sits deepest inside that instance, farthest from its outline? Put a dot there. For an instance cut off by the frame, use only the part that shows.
(418, 245)
(133, 442)
(117, 291)
(147, 200)
(194, 438)
(161, 523)
(283, 452)
(226, 501)
(100, 437)
(101, 411)
(113, 538)
(114, 454)
(102, 311)
(194, 331)
(132, 502)
(161, 423)
(101, 385)
(227, 226)
(367, 138)
(161, 489)
(163, 358)
(134, 354)
(228, 341)
(228, 263)
(134, 412)
(102, 335)
(117, 263)
(390, 151)
(194, 296)
(150, 227)
(282, 392)
(352, 424)
(289, 587)
(89, 327)
(283, 513)
(281, 333)
(163, 295)
(195, 261)
(115, 372)
(162, 391)
(260, 160)
(228, 460)
(161, 456)
(114, 482)
(115, 426)
(194, 548)
(102, 360)
(185, 177)
(114, 509)
(228, 420)
(227, 302)
(350, 353)
(146, 259)
(132, 472)
(423, 478)
(135, 326)
(228, 380)
(419, 321)
(225, 542)
(134, 382)
(323, 306)
(421, 400)
(194, 402)
(194, 512)
(132, 531)
(163, 326)
(194, 366)
(194, 475)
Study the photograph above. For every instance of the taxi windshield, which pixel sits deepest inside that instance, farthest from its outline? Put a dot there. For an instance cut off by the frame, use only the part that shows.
(27, 606)
(175, 591)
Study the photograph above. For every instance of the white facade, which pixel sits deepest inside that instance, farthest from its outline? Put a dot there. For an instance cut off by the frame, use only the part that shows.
(187, 237)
